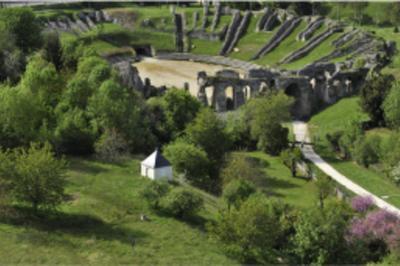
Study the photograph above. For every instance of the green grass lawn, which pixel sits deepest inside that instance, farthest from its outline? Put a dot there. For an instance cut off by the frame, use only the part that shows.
(280, 185)
(101, 219)
(338, 117)
(99, 223)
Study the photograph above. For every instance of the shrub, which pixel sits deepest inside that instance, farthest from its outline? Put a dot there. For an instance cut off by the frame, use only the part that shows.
(237, 191)
(290, 158)
(111, 146)
(362, 204)
(366, 150)
(189, 160)
(153, 192)
(333, 140)
(182, 203)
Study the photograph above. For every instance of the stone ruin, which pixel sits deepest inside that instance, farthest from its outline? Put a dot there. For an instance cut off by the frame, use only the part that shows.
(311, 87)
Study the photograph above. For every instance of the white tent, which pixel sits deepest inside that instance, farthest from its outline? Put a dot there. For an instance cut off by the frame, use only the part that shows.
(156, 167)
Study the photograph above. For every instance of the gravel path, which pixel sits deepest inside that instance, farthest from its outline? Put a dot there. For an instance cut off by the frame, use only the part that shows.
(300, 130)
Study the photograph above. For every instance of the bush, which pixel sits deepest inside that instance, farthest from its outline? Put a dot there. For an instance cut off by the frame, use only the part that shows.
(333, 140)
(111, 146)
(366, 150)
(237, 191)
(238, 166)
(290, 158)
(153, 192)
(189, 160)
(391, 106)
(362, 204)
(182, 203)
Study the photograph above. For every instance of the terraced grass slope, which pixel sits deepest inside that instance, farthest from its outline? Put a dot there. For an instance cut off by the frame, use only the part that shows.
(153, 25)
(338, 117)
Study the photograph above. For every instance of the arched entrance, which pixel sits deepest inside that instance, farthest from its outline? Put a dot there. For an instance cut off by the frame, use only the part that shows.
(229, 102)
(293, 90)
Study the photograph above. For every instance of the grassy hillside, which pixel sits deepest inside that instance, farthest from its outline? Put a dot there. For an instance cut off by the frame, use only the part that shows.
(338, 117)
(101, 220)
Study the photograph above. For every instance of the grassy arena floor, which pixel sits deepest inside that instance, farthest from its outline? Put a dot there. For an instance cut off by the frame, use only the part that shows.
(337, 117)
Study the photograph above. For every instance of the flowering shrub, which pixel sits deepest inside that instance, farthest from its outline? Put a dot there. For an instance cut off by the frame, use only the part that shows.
(362, 204)
(377, 225)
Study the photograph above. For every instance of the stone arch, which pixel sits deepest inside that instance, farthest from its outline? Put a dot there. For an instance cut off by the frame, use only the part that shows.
(229, 92)
(293, 90)
(263, 87)
(210, 95)
(247, 92)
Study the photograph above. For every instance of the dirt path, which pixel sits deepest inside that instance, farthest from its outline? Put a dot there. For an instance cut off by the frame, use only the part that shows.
(173, 73)
(300, 130)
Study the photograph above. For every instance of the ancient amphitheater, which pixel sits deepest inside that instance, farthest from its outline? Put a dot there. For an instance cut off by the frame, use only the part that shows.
(221, 80)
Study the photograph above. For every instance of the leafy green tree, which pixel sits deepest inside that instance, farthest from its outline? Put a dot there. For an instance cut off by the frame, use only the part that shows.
(114, 106)
(290, 158)
(6, 166)
(320, 235)
(208, 132)
(38, 178)
(237, 126)
(372, 95)
(153, 192)
(12, 60)
(158, 119)
(52, 50)
(391, 106)
(22, 23)
(266, 116)
(250, 232)
(180, 109)
(41, 79)
(349, 137)
(238, 166)
(237, 191)
(182, 203)
(189, 160)
(325, 188)
(111, 146)
(75, 95)
(74, 133)
(22, 115)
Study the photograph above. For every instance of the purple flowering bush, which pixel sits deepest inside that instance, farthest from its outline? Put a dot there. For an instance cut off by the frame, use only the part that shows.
(376, 225)
(362, 204)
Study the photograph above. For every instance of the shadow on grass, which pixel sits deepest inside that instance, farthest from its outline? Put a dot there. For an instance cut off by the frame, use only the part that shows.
(79, 225)
(85, 165)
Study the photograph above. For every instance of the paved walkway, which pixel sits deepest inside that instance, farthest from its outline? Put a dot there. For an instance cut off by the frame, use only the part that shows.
(300, 130)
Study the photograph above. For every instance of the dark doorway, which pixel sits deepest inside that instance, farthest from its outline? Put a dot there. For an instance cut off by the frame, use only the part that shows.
(293, 90)
(143, 50)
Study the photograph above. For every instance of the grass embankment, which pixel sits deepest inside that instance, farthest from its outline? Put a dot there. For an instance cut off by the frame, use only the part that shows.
(101, 220)
(338, 117)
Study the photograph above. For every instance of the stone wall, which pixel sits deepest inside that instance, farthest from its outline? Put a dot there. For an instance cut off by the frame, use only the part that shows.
(217, 16)
(263, 19)
(284, 31)
(178, 21)
(204, 22)
(313, 42)
(230, 34)
(240, 31)
(310, 29)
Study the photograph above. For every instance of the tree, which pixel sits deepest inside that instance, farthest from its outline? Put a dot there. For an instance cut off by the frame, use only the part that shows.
(372, 95)
(250, 232)
(391, 106)
(180, 109)
(22, 23)
(320, 235)
(325, 189)
(208, 132)
(237, 191)
(52, 49)
(115, 106)
(12, 60)
(153, 192)
(189, 160)
(38, 177)
(182, 203)
(6, 166)
(111, 146)
(238, 166)
(291, 157)
(266, 116)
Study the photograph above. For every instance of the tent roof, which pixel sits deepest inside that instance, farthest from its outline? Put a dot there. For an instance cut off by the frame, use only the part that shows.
(156, 160)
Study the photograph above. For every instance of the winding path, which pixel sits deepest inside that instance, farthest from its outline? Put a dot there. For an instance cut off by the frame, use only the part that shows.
(300, 130)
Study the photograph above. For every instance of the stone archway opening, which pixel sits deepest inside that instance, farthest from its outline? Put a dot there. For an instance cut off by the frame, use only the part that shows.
(229, 102)
(210, 95)
(293, 90)
(143, 50)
